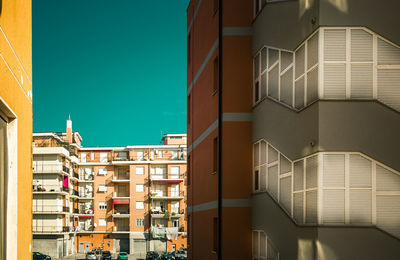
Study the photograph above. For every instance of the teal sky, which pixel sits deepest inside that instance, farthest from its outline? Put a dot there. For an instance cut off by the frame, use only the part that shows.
(118, 67)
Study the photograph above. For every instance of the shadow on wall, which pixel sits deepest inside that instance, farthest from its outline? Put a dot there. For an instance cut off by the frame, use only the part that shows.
(1, 5)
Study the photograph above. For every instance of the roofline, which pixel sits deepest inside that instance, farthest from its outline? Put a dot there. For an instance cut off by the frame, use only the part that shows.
(121, 148)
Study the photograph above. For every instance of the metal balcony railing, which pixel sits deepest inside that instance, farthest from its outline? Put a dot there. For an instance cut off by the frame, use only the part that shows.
(171, 194)
(49, 188)
(50, 229)
(66, 169)
(76, 211)
(49, 208)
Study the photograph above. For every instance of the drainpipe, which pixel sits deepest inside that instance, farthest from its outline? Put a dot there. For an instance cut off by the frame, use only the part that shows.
(220, 27)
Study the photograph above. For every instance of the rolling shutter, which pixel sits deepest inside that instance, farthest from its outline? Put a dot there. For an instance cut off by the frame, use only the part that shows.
(312, 51)
(299, 61)
(298, 207)
(335, 44)
(389, 87)
(335, 81)
(360, 206)
(311, 172)
(285, 190)
(273, 84)
(287, 87)
(387, 213)
(387, 53)
(361, 45)
(360, 171)
(333, 207)
(311, 207)
(273, 181)
(386, 180)
(361, 81)
(299, 93)
(333, 170)
(298, 176)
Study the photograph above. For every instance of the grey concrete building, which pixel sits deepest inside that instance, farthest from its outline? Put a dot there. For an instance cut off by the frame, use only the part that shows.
(326, 124)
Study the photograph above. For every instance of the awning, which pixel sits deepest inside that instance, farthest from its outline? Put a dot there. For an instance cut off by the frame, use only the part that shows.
(120, 201)
(168, 181)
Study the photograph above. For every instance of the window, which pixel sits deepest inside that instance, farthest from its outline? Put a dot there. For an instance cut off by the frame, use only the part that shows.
(188, 48)
(174, 172)
(102, 222)
(139, 205)
(188, 110)
(175, 222)
(140, 222)
(140, 155)
(140, 170)
(160, 154)
(256, 180)
(83, 157)
(3, 169)
(215, 155)
(174, 155)
(216, 76)
(139, 188)
(103, 157)
(92, 156)
(122, 155)
(188, 170)
(215, 236)
(102, 205)
(102, 171)
(102, 188)
(152, 155)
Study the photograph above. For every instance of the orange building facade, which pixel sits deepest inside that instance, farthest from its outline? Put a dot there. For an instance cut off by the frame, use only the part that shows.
(219, 129)
(15, 129)
(122, 199)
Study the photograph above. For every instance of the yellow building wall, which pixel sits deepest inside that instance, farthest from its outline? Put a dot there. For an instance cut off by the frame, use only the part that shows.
(16, 93)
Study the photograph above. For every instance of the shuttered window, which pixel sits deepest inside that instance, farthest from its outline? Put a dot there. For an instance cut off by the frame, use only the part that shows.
(333, 170)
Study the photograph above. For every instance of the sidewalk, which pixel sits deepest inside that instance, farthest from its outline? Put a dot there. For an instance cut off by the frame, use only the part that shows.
(80, 256)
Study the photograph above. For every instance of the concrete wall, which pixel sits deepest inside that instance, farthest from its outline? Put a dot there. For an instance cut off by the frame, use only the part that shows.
(302, 242)
(360, 126)
(284, 24)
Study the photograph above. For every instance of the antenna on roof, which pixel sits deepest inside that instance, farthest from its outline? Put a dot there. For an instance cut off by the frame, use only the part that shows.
(69, 116)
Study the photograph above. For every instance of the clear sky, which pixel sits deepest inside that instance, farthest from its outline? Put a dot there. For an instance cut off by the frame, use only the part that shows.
(118, 67)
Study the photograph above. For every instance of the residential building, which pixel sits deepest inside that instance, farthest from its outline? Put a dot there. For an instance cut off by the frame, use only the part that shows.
(15, 129)
(317, 83)
(129, 199)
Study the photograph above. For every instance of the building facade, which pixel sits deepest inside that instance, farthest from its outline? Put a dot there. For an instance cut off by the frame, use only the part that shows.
(322, 93)
(122, 199)
(15, 129)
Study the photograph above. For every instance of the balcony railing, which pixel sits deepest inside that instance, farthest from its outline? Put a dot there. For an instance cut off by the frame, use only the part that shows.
(166, 195)
(167, 178)
(50, 188)
(74, 192)
(66, 169)
(147, 157)
(50, 209)
(49, 167)
(119, 228)
(50, 229)
(85, 195)
(75, 211)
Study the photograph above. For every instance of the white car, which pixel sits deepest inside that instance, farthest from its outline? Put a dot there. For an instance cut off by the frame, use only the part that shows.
(91, 255)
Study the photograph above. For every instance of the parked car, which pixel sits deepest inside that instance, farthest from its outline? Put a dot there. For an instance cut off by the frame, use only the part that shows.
(180, 255)
(122, 256)
(168, 256)
(106, 255)
(40, 256)
(152, 255)
(91, 255)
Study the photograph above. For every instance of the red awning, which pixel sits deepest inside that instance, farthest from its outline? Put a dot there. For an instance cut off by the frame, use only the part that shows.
(168, 181)
(121, 201)
(85, 216)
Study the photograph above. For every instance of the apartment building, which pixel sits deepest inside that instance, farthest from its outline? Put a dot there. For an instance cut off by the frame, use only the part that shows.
(15, 129)
(129, 199)
(317, 83)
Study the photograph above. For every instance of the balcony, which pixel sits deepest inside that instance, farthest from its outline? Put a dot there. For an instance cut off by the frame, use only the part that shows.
(51, 229)
(121, 178)
(168, 196)
(49, 168)
(74, 193)
(167, 215)
(121, 229)
(50, 189)
(164, 178)
(121, 215)
(85, 196)
(120, 200)
(50, 209)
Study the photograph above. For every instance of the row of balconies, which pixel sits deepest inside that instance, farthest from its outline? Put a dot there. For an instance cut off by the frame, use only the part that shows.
(125, 156)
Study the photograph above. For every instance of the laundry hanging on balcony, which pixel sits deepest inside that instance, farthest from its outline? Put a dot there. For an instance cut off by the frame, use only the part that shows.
(172, 233)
